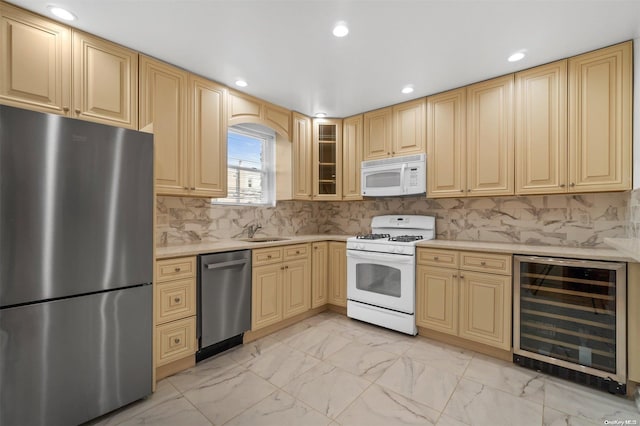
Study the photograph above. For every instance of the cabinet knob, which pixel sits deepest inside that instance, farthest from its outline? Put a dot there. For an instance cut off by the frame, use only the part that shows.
(462, 190)
(282, 268)
(388, 153)
(178, 269)
(315, 247)
(572, 184)
(286, 267)
(435, 258)
(461, 276)
(562, 185)
(393, 152)
(176, 340)
(177, 300)
(455, 275)
(483, 263)
(77, 110)
(185, 188)
(268, 256)
(468, 190)
(297, 251)
(193, 188)
(65, 109)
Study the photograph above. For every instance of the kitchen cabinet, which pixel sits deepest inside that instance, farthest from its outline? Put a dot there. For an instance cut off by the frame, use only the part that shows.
(465, 294)
(163, 106)
(281, 284)
(352, 140)
(600, 114)
(541, 129)
(105, 82)
(319, 273)
(207, 138)
(327, 159)
(35, 58)
(490, 144)
(633, 321)
(175, 315)
(302, 157)
(337, 273)
(247, 109)
(395, 131)
(50, 68)
(446, 144)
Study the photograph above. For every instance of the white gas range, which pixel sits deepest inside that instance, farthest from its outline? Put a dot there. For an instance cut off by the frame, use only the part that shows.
(381, 271)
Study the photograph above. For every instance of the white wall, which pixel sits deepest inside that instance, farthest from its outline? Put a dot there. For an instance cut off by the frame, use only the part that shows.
(636, 114)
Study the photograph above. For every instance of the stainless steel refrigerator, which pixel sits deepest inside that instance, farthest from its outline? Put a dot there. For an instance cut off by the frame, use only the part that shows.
(76, 262)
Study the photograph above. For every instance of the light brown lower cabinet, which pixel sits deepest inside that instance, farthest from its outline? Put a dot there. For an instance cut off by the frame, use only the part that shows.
(319, 273)
(281, 284)
(175, 315)
(465, 294)
(337, 273)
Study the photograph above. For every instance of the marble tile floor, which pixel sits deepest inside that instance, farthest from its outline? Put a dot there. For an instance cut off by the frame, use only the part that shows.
(331, 370)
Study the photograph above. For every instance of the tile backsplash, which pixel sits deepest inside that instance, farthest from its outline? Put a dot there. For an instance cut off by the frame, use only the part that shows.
(561, 220)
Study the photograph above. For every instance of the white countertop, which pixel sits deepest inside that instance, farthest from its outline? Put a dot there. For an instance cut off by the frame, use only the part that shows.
(554, 251)
(201, 247)
(628, 246)
(624, 250)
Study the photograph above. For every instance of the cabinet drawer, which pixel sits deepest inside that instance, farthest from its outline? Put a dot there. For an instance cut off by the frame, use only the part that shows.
(435, 257)
(171, 269)
(175, 340)
(485, 262)
(266, 256)
(299, 251)
(175, 300)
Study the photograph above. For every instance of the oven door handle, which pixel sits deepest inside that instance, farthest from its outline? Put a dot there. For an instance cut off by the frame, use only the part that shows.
(394, 258)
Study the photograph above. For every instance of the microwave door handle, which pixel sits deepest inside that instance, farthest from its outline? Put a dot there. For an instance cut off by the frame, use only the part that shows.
(403, 177)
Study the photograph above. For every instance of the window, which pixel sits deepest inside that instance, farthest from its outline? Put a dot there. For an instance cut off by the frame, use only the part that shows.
(251, 166)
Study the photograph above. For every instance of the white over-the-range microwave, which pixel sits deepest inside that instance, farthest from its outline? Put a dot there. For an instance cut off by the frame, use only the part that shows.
(394, 176)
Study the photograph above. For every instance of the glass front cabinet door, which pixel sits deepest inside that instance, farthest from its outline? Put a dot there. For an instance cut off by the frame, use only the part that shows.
(327, 159)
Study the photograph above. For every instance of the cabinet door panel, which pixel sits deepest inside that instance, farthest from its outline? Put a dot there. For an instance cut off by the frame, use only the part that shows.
(485, 308)
(600, 120)
(266, 296)
(541, 129)
(352, 138)
(297, 288)
(327, 159)
(408, 125)
(36, 62)
(163, 105)
(105, 83)
(446, 144)
(208, 138)
(302, 157)
(490, 137)
(377, 133)
(437, 299)
(279, 119)
(319, 271)
(338, 273)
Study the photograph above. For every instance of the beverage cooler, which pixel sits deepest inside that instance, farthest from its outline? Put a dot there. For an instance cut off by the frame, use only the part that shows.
(570, 319)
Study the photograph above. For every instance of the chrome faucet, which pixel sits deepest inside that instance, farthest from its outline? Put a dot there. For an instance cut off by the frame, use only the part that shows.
(252, 229)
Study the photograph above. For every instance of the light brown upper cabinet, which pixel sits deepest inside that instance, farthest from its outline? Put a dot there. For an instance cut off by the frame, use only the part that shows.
(541, 129)
(163, 105)
(327, 159)
(393, 131)
(50, 68)
(207, 138)
(302, 157)
(35, 58)
(600, 108)
(247, 109)
(490, 145)
(352, 139)
(105, 82)
(446, 144)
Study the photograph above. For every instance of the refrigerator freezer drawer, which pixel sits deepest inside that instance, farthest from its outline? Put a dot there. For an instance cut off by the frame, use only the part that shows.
(70, 360)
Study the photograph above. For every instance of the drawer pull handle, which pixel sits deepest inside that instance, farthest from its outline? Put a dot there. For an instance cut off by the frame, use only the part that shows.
(297, 251)
(286, 267)
(435, 257)
(178, 269)
(176, 340)
(177, 300)
(268, 256)
(483, 263)
(78, 111)
(461, 276)
(455, 275)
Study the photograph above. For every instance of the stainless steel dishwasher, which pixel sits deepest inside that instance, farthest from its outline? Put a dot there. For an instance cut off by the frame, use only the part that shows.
(224, 301)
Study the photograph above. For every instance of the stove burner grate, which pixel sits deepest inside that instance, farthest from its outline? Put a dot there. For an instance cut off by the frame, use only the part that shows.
(406, 238)
(373, 236)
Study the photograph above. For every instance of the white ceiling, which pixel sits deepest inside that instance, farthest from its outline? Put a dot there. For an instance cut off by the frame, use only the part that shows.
(285, 49)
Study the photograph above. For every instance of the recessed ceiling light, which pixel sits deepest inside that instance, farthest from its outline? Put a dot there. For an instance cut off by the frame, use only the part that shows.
(516, 57)
(407, 89)
(321, 114)
(241, 83)
(61, 13)
(341, 29)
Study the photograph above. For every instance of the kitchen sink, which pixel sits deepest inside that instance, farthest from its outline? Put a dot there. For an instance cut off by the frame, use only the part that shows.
(263, 239)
